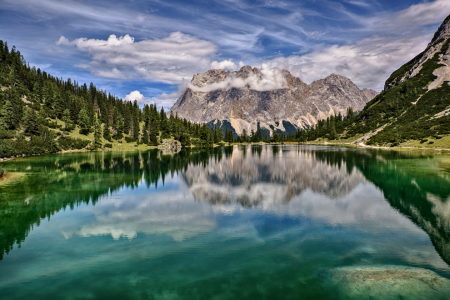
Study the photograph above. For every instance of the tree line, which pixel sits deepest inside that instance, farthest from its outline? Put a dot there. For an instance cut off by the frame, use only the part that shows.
(33, 104)
(38, 113)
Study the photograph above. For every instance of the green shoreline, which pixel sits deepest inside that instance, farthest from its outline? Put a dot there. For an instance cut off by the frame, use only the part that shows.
(315, 143)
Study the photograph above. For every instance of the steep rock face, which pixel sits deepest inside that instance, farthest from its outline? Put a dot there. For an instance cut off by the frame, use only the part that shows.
(414, 67)
(414, 105)
(443, 31)
(268, 97)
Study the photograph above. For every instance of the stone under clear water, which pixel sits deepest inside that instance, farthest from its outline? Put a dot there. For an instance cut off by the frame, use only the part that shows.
(244, 222)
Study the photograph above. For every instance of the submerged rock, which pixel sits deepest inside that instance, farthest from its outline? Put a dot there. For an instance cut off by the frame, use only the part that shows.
(389, 282)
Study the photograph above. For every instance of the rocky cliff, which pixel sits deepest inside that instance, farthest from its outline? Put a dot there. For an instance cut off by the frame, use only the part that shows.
(272, 98)
(414, 105)
(415, 66)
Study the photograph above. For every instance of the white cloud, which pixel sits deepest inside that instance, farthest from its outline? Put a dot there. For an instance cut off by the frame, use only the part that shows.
(135, 95)
(169, 60)
(396, 37)
(268, 79)
(421, 14)
(165, 100)
(170, 213)
(162, 100)
(114, 73)
(225, 64)
(298, 185)
(367, 63)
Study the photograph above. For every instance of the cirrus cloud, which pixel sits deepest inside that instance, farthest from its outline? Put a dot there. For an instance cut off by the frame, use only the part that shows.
(168, 60)
(367, 63)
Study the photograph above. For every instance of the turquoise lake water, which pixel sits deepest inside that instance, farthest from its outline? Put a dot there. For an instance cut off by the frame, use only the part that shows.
(243, 222)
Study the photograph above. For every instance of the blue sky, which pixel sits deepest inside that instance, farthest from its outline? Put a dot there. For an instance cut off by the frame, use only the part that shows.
(149, 50)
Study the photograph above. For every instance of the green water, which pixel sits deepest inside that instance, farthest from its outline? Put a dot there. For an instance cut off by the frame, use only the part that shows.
(261, 222)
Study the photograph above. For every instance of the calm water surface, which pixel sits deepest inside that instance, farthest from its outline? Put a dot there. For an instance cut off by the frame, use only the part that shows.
(260, 222)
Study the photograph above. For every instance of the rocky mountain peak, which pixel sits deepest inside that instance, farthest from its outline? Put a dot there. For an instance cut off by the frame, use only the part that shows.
(414, 67)
(252, 98)
(335, 79)
(443, 31)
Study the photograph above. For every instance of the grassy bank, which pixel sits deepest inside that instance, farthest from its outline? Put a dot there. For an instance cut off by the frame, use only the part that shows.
(439, 145)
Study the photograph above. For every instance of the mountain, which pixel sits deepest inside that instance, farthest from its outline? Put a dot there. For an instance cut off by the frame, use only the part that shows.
(415, 104)
(274, 99)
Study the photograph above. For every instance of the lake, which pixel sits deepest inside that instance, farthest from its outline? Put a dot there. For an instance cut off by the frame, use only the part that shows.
(242, 222)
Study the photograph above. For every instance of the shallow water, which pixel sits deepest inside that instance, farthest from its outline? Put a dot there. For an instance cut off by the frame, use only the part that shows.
(260, 222)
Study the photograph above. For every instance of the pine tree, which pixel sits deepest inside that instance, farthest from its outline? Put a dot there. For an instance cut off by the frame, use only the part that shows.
(350, 114)
(219, 134)
(332, 128)
(244, 137)
(204, 134)
(172, 124)
(153, 126)
(84, 122)
(275, 136)
(37, 92)
(7, 116)
(30, 122)
(135, 121)
(107, 133)
(66, 119)
(153, 134)
(184, 137)
(211, 139)
(120, 126)
(97, 134)
(165, 125)
(144, 139)
(127, 119)
(146, 114)
(259, 136)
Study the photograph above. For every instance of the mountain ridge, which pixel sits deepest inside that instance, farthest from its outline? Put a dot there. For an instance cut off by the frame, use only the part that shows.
(251, 98)
(415, 103)
(412, 111)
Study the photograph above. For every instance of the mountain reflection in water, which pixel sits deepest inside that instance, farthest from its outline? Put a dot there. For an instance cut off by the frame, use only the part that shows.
(333, 185)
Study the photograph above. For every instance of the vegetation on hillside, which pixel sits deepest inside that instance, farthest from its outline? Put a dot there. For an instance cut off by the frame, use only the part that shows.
(40, 114)
(407, 110)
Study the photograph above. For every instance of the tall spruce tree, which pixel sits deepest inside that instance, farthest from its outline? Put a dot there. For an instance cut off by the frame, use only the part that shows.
(66, 119)
(30, 122)
(165, 125)
(7, 116)
(244, 137)
(84, 121)
(144, 138)
(107, 132)
(97, 133)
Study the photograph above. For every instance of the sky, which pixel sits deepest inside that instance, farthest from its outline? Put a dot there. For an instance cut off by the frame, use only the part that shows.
(149, 50)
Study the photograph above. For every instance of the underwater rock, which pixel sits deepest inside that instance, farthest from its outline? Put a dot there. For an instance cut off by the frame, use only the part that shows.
(389, 282)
